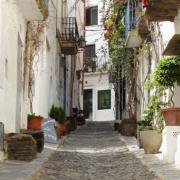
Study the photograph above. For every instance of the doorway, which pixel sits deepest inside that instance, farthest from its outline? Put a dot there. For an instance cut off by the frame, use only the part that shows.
(88, 103)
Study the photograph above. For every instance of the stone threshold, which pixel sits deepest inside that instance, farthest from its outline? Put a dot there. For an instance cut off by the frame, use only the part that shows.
(154, 162)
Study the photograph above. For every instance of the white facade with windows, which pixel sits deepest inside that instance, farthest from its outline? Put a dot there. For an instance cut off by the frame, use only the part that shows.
(98, 92)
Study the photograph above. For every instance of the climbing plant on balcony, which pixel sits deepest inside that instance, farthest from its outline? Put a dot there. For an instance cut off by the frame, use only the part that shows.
(122, 58)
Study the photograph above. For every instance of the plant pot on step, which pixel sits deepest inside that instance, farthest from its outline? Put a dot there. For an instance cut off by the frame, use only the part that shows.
(171, 116)
(34, 122)
(150, 141)
(62, 129)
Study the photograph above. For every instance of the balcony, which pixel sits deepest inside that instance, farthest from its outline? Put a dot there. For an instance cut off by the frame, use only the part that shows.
(173, 42)
(162, 10)
(133, 38)
(142, 26)
(132, 15)
(93, 65)
(33, 10)
(68, 36)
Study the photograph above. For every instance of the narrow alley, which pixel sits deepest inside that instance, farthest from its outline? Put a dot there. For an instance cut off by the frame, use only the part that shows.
(94, 152)
(89, 89)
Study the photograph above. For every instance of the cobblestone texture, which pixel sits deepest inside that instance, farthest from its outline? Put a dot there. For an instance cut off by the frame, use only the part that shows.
(94, 152)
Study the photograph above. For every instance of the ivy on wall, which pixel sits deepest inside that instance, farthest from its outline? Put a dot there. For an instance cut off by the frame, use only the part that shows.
(124, 64)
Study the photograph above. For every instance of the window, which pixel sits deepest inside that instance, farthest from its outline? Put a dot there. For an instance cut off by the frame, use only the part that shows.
(90, 58)
(92, 16)
(90, 51)
(104, 99)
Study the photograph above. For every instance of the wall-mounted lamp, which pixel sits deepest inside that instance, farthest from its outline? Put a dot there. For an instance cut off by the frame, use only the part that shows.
(148, 40)
(82, 42)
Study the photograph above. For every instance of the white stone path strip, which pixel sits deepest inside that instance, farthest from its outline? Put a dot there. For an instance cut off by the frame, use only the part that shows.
(154, 162)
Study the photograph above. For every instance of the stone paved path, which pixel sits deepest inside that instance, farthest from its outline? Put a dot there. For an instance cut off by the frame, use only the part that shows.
(94, 152)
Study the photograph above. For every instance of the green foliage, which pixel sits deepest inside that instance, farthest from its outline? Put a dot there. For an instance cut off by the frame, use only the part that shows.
(152, 115)
(57, 113)
(33, 115)
(167, 73)
(153, 112)
(91, 64)
(123, 60)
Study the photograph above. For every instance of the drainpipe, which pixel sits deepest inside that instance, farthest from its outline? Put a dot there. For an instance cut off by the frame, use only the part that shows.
(65, 85)
(84, 49)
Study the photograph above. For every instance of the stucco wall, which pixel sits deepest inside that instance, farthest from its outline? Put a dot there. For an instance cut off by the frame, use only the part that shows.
(47, 77)
(100, 81)
(95, 34)
(12, 23)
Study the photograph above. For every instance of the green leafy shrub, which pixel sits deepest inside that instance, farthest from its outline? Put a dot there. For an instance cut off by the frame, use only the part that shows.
(33, 115)
(153, 112)
(167, 73)
(57, 113)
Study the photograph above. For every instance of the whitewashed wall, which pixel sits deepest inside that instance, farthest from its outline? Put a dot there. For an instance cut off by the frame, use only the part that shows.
(96, 82)
(12, 23)
(99, 81)
(95, 33)
(47, 75)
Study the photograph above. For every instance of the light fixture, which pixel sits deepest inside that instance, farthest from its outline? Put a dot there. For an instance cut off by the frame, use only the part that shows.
(148, 39)
(82, 42)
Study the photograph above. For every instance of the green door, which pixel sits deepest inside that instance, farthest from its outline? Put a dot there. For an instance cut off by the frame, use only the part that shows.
(87, 103)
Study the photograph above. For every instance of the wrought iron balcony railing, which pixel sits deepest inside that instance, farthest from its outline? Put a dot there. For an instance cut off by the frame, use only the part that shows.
(93, 65)
(46, 2)
(133, 12)
(69, 35)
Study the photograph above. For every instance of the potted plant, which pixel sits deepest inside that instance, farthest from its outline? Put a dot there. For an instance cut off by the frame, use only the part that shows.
(91, 65)
(80, 118)
(150, 137)
(58, 114)
(151, 124)
(167, 75)
(34, 121)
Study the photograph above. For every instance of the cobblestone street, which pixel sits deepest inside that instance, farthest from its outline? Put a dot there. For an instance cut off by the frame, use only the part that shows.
(94, 152)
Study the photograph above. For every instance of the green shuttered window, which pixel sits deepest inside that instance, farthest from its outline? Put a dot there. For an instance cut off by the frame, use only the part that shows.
(104, 99)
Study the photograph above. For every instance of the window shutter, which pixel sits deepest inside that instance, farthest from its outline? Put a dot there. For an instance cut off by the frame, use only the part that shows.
(90, 51)
(94, 15)
(88, 17)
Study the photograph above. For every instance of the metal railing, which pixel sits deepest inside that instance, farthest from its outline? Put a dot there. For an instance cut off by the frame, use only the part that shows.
(69, 30)
(95, 65)
(46, 3)
(132, 15)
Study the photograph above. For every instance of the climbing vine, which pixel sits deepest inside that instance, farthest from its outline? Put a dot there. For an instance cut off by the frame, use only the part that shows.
(124, 64)
(33, 43)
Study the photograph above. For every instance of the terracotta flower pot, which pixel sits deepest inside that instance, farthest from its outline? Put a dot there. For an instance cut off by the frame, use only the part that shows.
(62, 129)
(171, 116)
(34, 122)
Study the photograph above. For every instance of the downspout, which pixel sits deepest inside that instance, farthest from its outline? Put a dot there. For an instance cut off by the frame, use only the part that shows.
(65, 85)
(84, 34)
